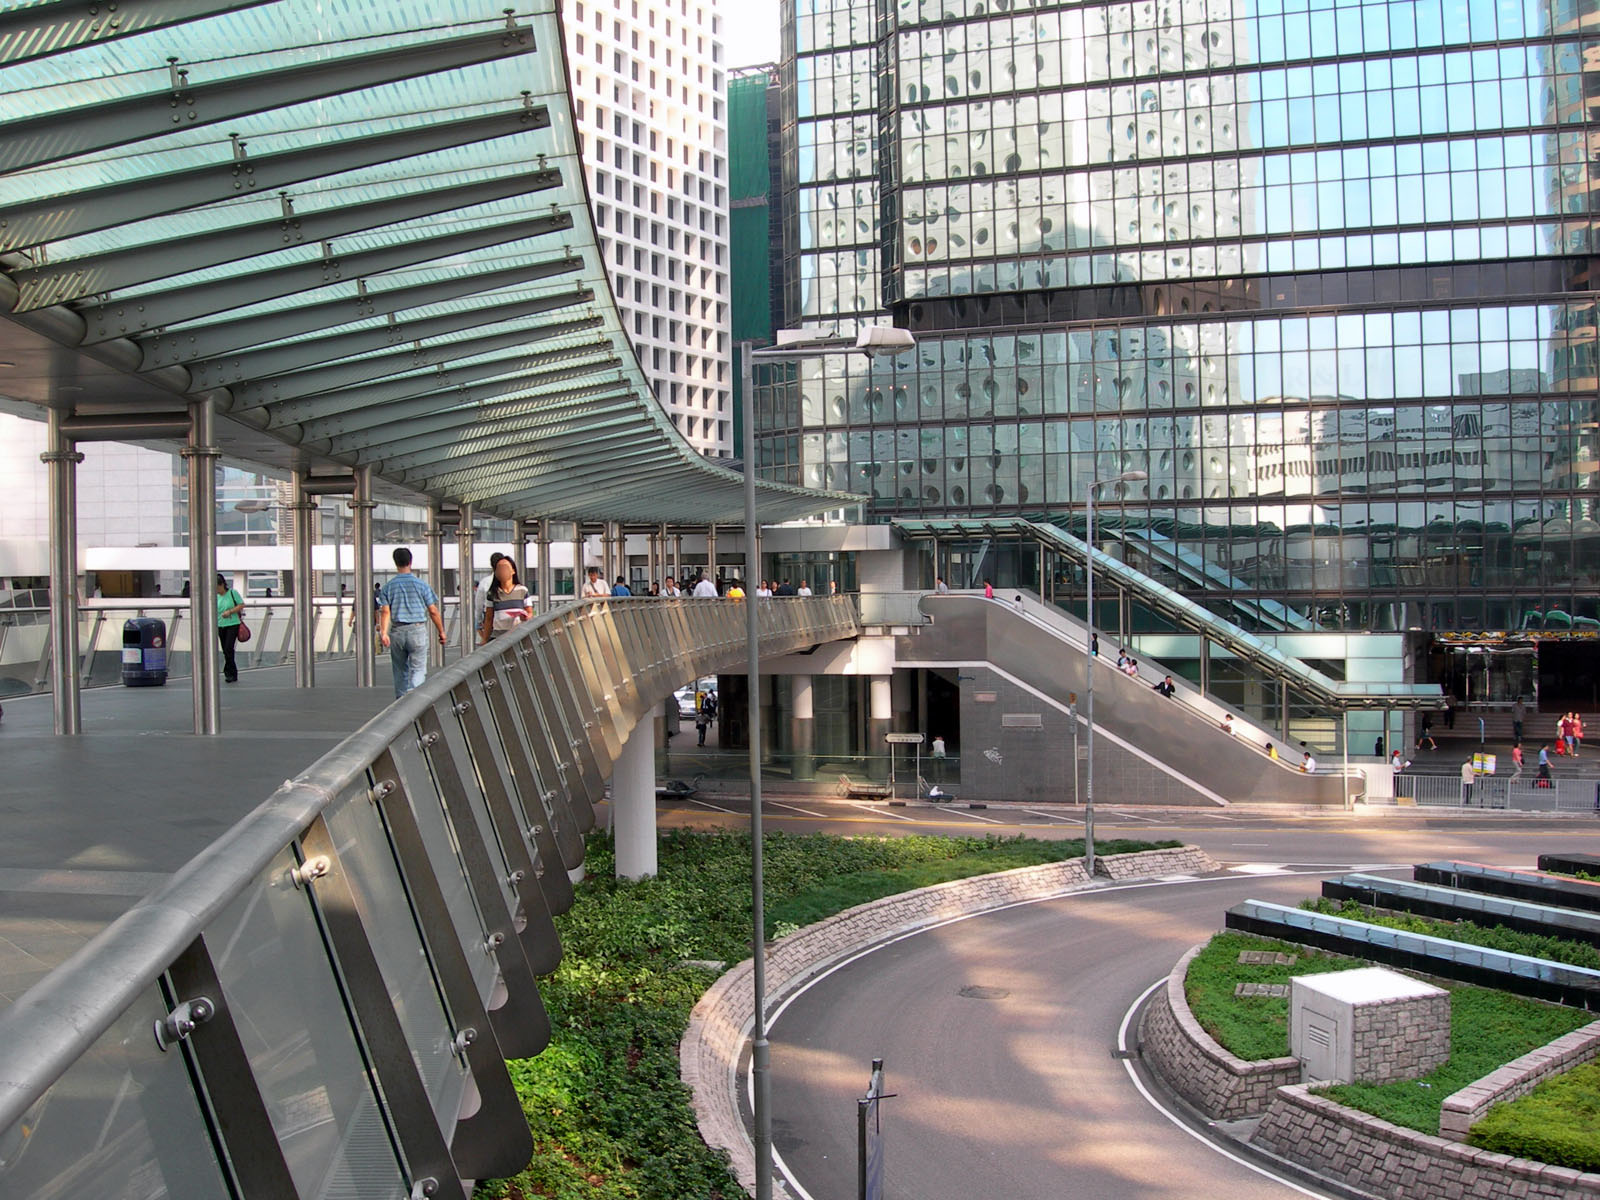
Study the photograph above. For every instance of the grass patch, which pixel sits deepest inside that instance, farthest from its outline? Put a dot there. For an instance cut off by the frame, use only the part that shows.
(1558, 1122)
(1487, 1030)
(610, 1117)
(1251, 1027)
(1494, 937)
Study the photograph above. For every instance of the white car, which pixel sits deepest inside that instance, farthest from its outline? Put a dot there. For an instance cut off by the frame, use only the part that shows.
(685, 695)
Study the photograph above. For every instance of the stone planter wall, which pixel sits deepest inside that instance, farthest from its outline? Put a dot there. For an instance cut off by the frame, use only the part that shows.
(1196, 1067)
(1377, 1157)
(1467, 1107)
(719, 1027)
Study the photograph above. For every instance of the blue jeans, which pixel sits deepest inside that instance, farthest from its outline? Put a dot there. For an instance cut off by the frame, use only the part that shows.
(408, 653)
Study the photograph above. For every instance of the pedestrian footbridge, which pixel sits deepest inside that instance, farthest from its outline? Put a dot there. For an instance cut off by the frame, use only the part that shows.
(321, 1001)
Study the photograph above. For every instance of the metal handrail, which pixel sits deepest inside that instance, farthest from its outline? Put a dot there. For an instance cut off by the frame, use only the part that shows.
(626, 656)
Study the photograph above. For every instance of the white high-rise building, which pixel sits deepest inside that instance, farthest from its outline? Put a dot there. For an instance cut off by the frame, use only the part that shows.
(648, 88)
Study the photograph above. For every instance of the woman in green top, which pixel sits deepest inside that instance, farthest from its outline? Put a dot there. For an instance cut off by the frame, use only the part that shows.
(229, 607)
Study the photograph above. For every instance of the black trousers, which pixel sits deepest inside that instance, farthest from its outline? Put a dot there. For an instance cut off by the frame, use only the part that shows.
(228, 635)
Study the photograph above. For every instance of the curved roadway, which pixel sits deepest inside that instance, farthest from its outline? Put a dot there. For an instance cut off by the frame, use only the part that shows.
(998, 1034)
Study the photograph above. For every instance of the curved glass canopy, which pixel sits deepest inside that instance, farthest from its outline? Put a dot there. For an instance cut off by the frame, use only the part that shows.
(361, 227)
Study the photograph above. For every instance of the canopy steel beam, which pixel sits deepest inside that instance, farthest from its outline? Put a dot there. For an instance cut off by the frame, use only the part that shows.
(562, 491)
(528, 460)
(436, 382)
(451, 481)
(58, 217)
(401, 432)
(66, 133)
(317, 380)
(61, 280)
(259, 365)
(498, 433)
(129, 315)
(331, 431)
(58, 26)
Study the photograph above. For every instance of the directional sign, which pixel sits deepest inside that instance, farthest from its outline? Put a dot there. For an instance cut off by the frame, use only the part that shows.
(903, 739)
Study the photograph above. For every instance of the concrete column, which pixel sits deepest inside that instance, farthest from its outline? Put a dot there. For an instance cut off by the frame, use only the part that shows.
(802, 727)
(361, 506)
(633, 801)
(880, 721)
(435, 537)
(900, 691)
(201, 455)
(63, 458)
(467, 633)
(305, 585)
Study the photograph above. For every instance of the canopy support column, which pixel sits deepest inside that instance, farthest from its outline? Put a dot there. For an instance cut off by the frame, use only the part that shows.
(361, 506)
(435, 535)
(201, 455)
(63, 458)
(466, 585)
(305, 584)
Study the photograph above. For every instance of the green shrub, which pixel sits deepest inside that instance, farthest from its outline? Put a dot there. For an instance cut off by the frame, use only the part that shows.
(1558, 1122)
(611, 1120)
(1494, 937)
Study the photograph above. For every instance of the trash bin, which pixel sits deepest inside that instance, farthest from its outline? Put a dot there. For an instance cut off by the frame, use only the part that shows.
(144, 652)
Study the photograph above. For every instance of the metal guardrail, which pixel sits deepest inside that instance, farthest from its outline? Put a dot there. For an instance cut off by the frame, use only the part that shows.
(320, 1003)
(25, 638)
(1494, 791)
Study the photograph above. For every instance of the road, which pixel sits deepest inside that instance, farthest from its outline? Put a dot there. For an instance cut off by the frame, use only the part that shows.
(998, 1031)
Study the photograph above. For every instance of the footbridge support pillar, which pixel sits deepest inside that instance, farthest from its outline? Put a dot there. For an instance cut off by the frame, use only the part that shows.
(633, 801)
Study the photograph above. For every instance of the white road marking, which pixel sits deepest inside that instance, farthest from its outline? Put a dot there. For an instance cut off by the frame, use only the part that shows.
(793, 808)
(1063, 818)
(1124, 814)
(716, 807)
(877, 812)
(1127, 1065)
(956, 812)
(1259, 869)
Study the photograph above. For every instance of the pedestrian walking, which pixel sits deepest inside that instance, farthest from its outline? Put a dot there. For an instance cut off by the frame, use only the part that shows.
(1519, 713)
(1308, 765)
(594, 587)
(1425, 732)
(408, 604)
(1544, 761)
(230, 606)
(621, 588)
(988, 590)
(505, 604)
(1166, 688)
(940, 586)
(1568, 738)
(1516, 760)
(702, 722)
(1467, 776)
(1227, 724)
(1577, 734)
(704, 589)
(805, 589)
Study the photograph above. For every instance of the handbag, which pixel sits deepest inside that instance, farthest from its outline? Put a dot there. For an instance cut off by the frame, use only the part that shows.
(244, 633)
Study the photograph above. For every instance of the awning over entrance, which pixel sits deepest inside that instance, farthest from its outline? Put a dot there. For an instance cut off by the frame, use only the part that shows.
(361, 227)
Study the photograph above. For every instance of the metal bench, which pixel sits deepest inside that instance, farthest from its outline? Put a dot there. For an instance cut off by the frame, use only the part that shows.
(860, 789)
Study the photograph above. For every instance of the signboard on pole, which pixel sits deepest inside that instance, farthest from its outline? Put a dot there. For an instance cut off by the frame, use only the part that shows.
(903, 739)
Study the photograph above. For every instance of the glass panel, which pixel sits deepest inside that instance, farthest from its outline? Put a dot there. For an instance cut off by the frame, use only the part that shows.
(122, 1124)
(273, 965)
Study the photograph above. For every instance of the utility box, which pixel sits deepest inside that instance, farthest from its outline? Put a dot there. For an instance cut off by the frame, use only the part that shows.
(1370, 1025)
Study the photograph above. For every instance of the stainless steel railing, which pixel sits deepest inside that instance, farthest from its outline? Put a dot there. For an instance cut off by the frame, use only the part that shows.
(320, 1003)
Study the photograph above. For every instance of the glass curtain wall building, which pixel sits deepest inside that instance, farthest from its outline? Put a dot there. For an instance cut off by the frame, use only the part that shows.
(1324, 271)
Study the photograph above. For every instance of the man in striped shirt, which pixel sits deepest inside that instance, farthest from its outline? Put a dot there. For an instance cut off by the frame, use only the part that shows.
(406, 604)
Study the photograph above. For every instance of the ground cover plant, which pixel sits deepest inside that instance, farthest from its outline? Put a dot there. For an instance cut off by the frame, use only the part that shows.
(1250, 1027)
(1558, 1122)
(1494, 937)
(611, 1119)
(1487, 1028)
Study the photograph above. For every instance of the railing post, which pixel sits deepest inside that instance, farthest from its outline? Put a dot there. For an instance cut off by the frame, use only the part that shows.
(63, 458)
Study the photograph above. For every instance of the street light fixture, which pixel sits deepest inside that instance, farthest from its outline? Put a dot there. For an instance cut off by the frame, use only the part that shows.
(1090, 659)
(792, 345)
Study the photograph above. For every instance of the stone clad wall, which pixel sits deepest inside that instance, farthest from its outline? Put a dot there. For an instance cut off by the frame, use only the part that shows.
(1377, 1157)
(719, 1026)
(1400, 1039)
(1472, 1103)
(1194, 1065)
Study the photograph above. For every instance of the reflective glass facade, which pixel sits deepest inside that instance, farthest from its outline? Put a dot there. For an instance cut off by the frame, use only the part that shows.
(1321, 270)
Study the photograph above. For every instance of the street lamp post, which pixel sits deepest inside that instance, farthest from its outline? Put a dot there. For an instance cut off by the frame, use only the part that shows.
(1088, 571)
(872, 341)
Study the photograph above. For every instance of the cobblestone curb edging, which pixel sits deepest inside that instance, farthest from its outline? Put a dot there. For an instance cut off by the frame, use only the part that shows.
(719, 1026)
(1382, 1158)
(1462, 1110)
(1151, 864)
(1196, 1067)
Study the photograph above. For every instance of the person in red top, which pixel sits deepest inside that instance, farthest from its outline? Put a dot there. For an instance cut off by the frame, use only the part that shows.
(988, 590)
(1565, 731)
(1516, 758)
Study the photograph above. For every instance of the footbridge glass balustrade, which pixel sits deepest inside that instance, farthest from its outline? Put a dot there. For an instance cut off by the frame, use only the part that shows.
(321, 1002)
